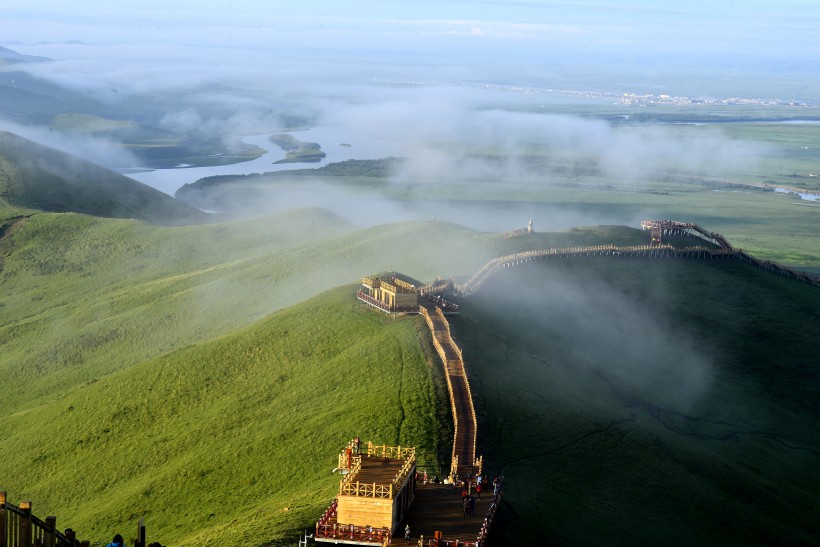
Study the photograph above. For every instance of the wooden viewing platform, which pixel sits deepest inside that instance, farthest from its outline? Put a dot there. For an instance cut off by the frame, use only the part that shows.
(378, 487)
(437, 517)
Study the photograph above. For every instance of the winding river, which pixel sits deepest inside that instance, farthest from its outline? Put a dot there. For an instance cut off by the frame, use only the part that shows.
(338, 143)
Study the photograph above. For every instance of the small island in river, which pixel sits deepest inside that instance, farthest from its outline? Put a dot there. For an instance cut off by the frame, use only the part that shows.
(297, 151)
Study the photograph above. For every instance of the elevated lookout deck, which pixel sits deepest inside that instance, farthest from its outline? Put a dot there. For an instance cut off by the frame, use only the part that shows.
(377, 489)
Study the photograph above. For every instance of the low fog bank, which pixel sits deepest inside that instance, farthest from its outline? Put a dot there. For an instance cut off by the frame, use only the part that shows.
(98, 150)
(449, 138)
(366, 207)
(577, 320)
(463, 134)
(483, 168)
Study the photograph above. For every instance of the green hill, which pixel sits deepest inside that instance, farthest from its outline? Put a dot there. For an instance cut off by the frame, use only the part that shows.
(94, 307)
(201, 376)
(37, 177)
(229, 442)
(83, 297)
(648, 402)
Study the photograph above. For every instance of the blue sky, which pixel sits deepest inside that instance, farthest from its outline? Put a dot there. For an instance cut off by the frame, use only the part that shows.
(772, 29)
(761, 48)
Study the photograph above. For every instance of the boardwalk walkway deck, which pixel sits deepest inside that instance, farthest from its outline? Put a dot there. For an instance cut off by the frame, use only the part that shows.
(438, 508)
(464, 462)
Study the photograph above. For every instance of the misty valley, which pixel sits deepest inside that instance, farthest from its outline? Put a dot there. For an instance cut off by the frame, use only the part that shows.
(246, 253)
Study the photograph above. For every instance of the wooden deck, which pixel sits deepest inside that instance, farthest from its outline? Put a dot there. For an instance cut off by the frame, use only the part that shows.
(438, 508)
(464, 461)
(378, 470)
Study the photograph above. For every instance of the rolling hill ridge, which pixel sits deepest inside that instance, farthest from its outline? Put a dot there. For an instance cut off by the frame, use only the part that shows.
(33, 176)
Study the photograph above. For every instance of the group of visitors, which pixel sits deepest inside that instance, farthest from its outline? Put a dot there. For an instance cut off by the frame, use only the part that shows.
(119, 542)
(467, 502)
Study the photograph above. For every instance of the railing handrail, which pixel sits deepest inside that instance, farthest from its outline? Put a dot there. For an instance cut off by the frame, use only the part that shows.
(30, 528)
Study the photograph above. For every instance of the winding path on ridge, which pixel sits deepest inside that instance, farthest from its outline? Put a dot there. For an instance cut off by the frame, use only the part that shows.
(464, 461)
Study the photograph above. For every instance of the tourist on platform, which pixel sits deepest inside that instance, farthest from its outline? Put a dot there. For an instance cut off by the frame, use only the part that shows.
(407, 534)
(478, 490)
(465, 506)
(116, 542)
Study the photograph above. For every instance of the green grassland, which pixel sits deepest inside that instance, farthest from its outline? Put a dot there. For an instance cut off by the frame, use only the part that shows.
(773, 226)
(200, 377)
(99, 313)
(648, 402)
(232, 441)
(86, 123)
(84, 297)
(204, 376)
(171, 152)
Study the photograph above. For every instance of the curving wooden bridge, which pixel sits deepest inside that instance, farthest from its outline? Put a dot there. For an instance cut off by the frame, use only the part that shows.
(656, 249)
(429, 511)
(464, 464)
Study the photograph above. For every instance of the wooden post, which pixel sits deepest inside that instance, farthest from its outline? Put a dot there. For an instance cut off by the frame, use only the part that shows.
(71, 536)
(2, 519)
(25, 523)
(140, 541)
(50, 538)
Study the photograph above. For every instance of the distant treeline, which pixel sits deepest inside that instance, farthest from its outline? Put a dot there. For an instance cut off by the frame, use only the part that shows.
(684, 118)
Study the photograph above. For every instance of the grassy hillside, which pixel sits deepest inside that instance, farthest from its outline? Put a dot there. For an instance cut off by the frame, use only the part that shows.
(229, 442)
(38, 177)
(84, 297)
(637, 402)
(157, 345)
(773, 226)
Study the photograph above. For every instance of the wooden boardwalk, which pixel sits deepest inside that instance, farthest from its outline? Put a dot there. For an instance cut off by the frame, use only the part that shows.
(438, 507)
(656, 249)
(464, 463)
(436, 518)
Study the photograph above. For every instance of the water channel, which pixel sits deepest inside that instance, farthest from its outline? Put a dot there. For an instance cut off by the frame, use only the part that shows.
(338, 143)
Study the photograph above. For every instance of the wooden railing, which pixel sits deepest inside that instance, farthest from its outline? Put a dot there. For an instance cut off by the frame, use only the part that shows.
(655, 250)
(404, 472)
(20, 528)
(650, 251)
(376, 303)
(662, 227)
(346, 533)
(370, 490)
(394, 452)
(354, 468)
(349, 486)
(440, 329)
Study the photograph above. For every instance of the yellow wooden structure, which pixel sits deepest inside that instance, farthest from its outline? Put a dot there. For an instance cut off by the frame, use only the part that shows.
(390, 294)
(378, 487)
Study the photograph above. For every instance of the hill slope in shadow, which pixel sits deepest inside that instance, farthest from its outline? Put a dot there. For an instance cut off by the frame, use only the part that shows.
(635, 402)
(38, 177)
